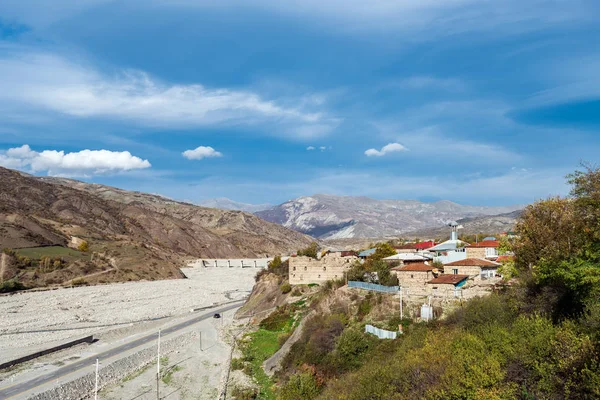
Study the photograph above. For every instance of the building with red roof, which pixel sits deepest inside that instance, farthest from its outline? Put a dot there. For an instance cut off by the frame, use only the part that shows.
(476, 268)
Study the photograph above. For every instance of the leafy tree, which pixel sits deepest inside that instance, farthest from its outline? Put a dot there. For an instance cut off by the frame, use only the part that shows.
(383, 250)
(275, 263)
(548, 229)
(310, 251)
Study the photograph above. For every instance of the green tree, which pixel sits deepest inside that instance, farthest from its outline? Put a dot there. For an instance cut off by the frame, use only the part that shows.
(310, 251)
(383, 250)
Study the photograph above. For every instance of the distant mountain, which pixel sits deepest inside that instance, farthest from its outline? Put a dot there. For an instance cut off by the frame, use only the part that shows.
(338, 217)
(486, 224)
(224, 203)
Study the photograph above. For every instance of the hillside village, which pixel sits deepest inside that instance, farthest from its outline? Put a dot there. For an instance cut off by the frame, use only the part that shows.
(427, 271)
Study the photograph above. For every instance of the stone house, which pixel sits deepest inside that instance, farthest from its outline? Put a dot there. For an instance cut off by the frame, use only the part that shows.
(332, 266)
(447, 286)
(477, 268)
(413, 278)
(484, 249)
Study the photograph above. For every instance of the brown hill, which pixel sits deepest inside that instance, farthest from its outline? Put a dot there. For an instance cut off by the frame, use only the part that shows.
(134, 235)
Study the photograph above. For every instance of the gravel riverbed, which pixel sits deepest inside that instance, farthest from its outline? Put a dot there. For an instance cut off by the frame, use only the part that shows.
(33, 320)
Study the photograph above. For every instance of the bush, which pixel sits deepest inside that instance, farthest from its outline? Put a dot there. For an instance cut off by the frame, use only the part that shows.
(11, 285)
(285, 288)
(244, 394)
(237, 364)
(278, 319)
(350, 346)
(84, 247)
(301, 386)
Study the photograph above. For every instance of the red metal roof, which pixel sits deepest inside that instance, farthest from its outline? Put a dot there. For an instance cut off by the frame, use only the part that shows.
(424, 245)
(502, 259)
(448, 279)
(472, 262)
(415, 267)
(486, 243)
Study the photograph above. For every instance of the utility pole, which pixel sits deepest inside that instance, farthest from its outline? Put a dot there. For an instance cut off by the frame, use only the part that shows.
(200, 340)
(401, 314)
(96, 387)
(158, 367)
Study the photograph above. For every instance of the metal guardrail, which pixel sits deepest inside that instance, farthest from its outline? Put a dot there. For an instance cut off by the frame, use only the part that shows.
(381, 333)
(373, 287)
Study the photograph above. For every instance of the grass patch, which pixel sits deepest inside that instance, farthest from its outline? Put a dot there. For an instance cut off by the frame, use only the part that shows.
(168, 376)
(36, 253)
(262, 344)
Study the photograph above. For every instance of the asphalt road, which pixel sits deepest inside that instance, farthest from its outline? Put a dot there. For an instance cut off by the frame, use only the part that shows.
(88, 363)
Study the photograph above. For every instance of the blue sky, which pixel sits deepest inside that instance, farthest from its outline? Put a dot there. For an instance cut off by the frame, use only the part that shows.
(479, 102)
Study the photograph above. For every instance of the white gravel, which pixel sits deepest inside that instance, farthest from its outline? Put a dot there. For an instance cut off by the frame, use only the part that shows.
(66, 314)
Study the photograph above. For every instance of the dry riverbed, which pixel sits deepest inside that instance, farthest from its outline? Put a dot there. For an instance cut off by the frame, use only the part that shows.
(36, 320)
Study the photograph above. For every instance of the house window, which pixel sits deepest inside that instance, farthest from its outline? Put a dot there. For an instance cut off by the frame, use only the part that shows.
(324, 268)
(411, 276)
(294, 268)
(319, 275)
(305, 268)
(455, 271)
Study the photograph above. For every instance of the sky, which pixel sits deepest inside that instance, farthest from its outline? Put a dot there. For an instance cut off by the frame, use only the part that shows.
(482, 102)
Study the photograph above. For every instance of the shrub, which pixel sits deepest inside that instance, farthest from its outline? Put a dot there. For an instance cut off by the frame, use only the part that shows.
(301, 386)
(285, 288)
(84, 247)
(244, 393)
(11, 285)
(236, 364)
(278, 319)
(350, 346)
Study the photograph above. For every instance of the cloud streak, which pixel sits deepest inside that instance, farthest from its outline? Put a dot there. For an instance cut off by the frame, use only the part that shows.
(52, 83)
(82, 163)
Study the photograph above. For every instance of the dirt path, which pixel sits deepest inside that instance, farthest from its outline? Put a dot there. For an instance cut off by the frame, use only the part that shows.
(2, 267)
(67, 283)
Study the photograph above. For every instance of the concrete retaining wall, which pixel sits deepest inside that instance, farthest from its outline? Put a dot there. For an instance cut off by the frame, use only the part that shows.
(87, 339)
(83, 387)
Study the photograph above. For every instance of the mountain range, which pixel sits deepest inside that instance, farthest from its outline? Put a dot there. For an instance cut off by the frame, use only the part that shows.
(339, 217)
(224, 203)
(140, 236)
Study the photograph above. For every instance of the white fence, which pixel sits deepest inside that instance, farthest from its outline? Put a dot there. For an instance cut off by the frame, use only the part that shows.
(381, 333)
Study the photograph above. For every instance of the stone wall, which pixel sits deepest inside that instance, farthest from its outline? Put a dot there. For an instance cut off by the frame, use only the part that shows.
(306, 270)
(414, 282)
(475, 252)
(83, 387)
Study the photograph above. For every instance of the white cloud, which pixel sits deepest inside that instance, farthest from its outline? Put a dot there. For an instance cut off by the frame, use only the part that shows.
(52, 83)
(310, 148)
(388, 148)
(201, 152)
(81, 163)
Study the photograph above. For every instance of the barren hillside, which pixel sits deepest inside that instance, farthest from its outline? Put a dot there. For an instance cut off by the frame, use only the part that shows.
(139, 236)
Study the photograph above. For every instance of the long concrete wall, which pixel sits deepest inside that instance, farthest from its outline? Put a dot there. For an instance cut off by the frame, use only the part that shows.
(233, 262)
(87, 339)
